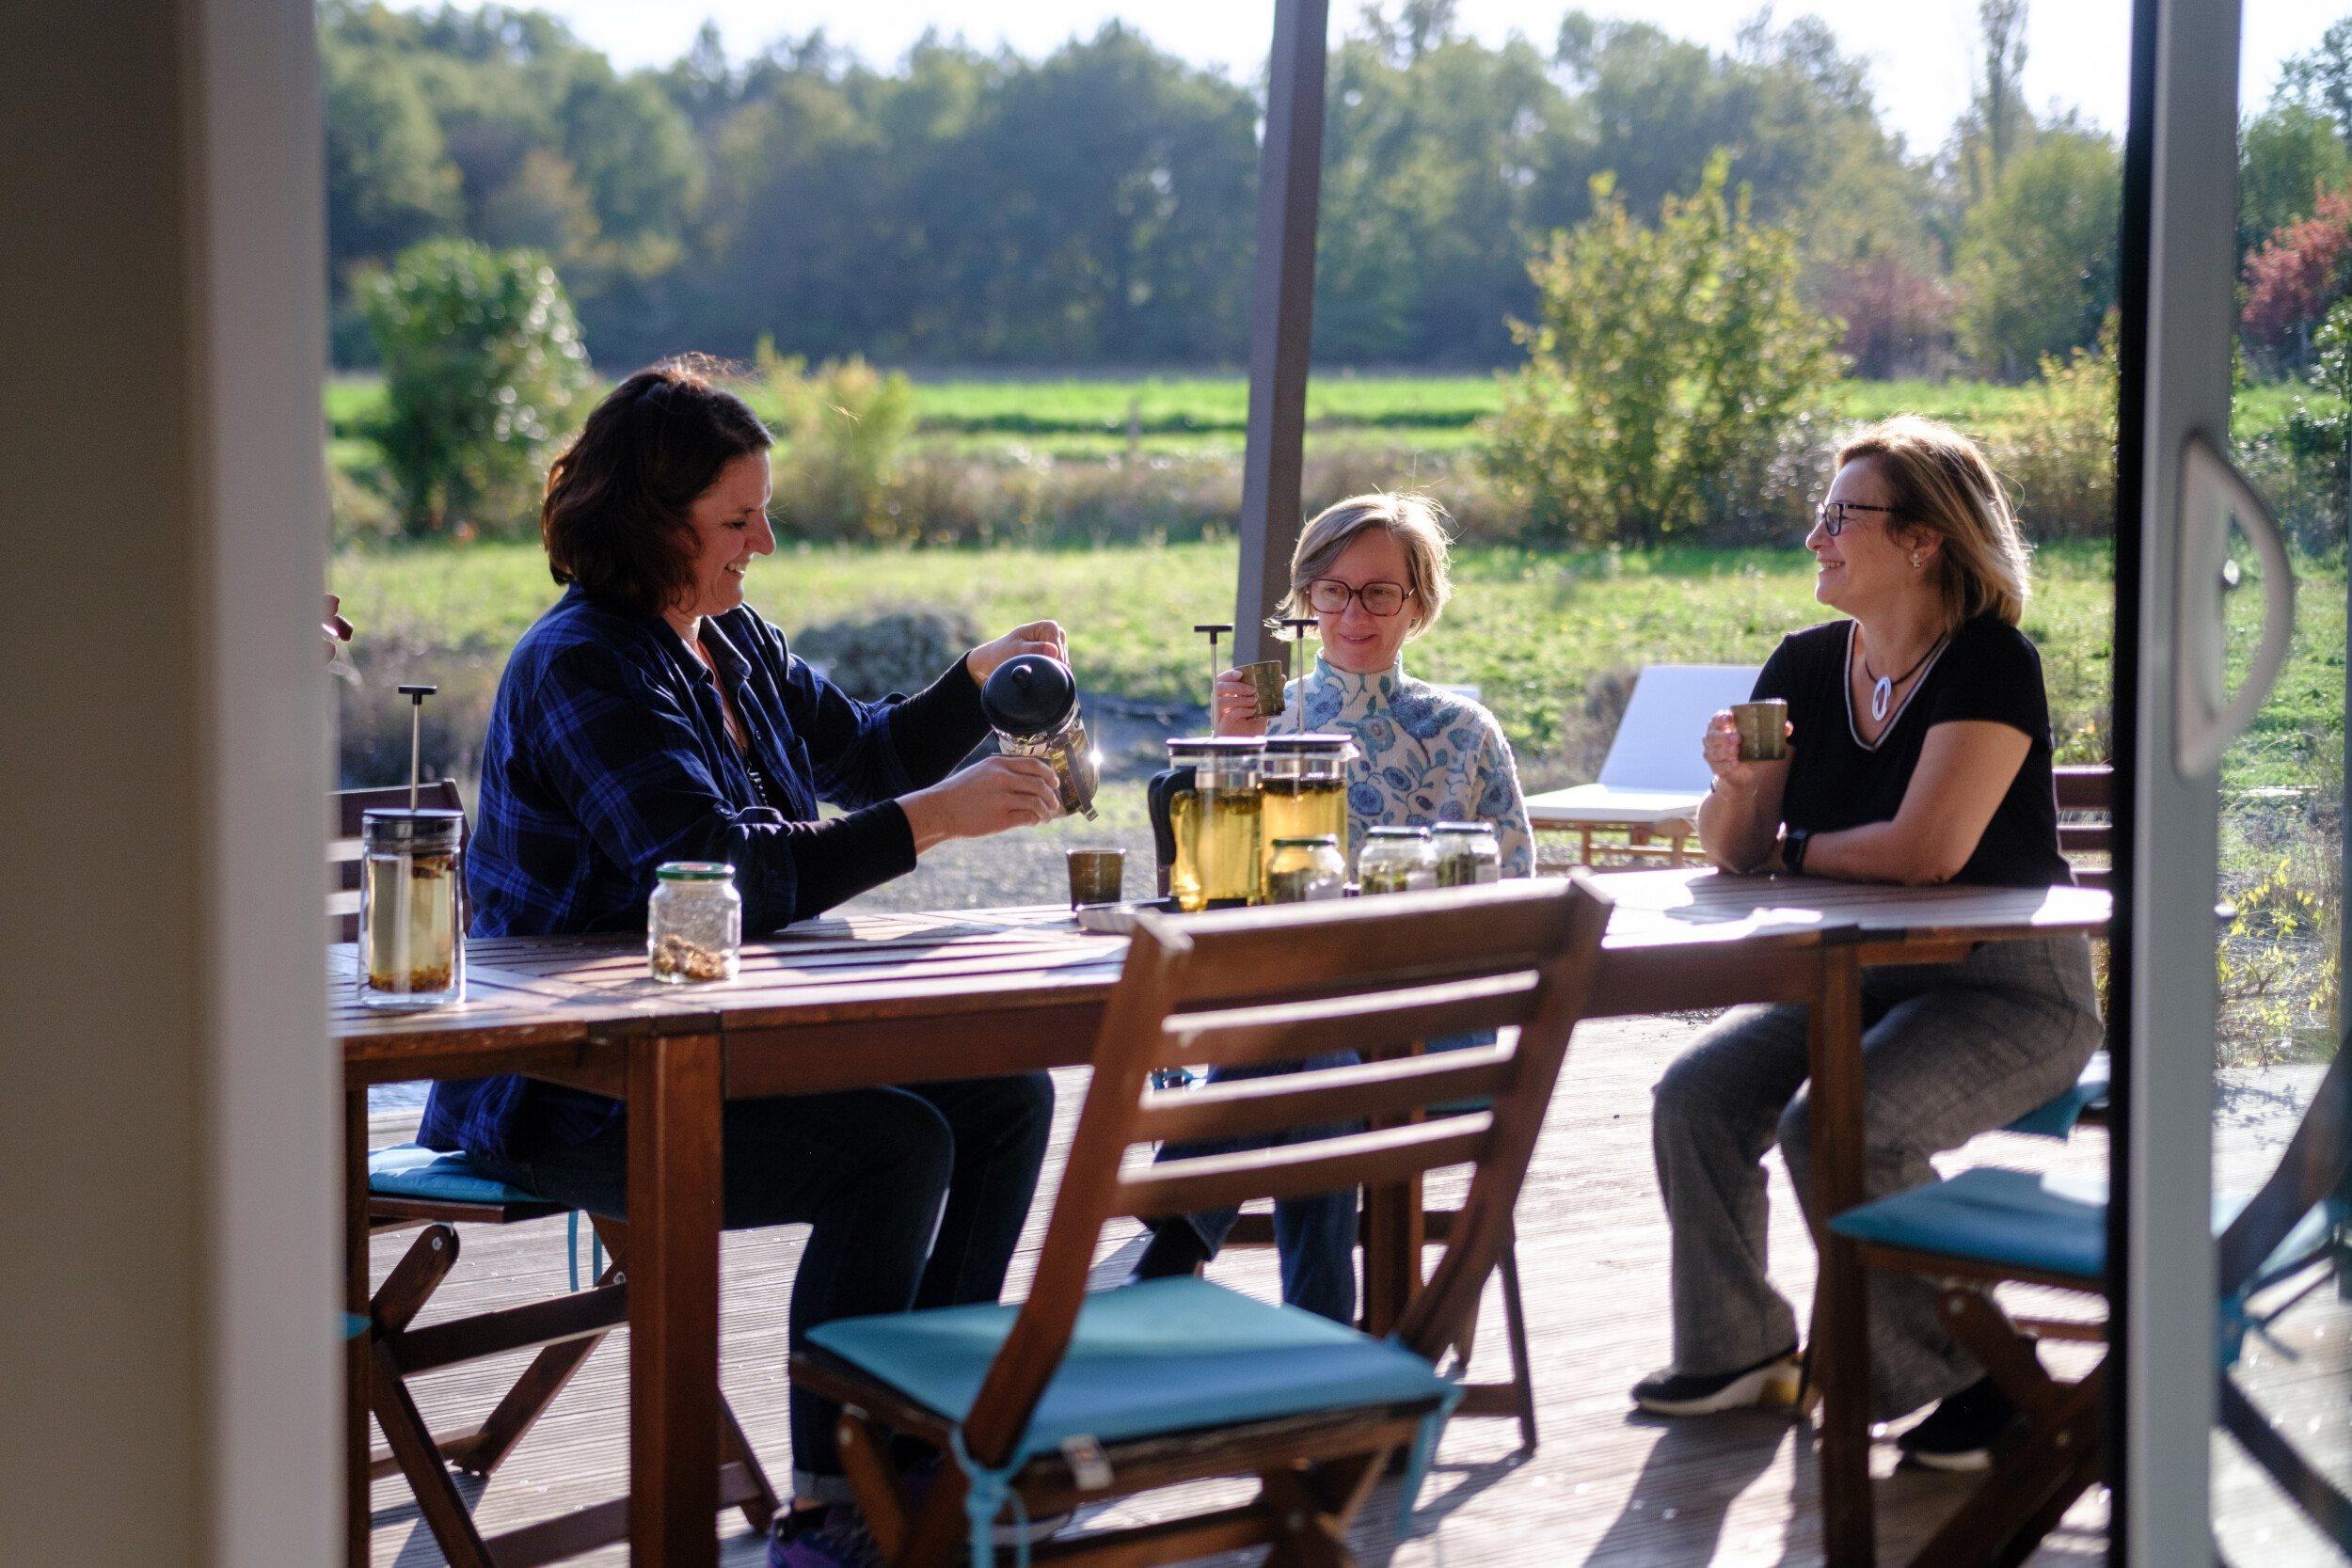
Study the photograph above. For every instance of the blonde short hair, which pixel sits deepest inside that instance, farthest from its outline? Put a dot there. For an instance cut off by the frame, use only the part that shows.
(1416, 522)
(1940, 481)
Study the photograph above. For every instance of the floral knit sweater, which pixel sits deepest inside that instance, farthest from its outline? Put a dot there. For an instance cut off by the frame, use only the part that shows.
(1429, 756)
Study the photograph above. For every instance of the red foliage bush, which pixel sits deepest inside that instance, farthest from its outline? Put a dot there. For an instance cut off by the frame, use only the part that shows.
(2300, 272)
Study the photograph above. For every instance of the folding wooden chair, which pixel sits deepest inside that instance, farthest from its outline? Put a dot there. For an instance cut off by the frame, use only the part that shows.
(1987, 1226)
(1514, 1399)
(1073, 1398)
(409, 1186)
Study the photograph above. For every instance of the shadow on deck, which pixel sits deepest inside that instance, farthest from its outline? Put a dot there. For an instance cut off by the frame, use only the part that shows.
(1606, 1486)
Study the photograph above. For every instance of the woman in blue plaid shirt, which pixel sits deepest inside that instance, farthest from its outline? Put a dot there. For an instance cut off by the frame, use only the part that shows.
(652, 716)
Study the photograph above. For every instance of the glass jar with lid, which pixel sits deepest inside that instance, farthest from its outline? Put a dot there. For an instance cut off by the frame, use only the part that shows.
(1467, 853)
(1306, 870)
(1396, 860)
(412, 951)
(693, 923)
(1216, 823)
(1303, 783)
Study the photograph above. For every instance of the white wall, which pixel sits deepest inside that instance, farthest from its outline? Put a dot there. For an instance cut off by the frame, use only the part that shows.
(169, 1378)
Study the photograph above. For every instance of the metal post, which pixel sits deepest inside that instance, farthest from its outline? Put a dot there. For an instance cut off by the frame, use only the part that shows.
(1290, 179)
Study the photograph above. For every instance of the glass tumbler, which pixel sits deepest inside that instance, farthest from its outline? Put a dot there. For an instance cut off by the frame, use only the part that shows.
(694, 923)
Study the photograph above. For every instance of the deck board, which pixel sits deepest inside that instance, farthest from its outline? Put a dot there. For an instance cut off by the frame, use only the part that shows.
(1606, 1486)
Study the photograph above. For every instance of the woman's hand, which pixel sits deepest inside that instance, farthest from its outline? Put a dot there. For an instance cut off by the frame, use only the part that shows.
(988, 797)
(334, 626)
(1038, 636)
(1734, 779)
(1233, 707)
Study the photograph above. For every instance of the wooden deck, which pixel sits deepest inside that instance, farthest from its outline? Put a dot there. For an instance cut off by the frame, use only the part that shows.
(1606, 1485)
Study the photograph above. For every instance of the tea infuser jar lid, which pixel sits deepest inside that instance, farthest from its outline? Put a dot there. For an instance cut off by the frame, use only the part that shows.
(1315, 841)
(1396, 832)
(412, 830)
(1314, 745)
(1487, 827)
(1216, 745)
(1032, 694)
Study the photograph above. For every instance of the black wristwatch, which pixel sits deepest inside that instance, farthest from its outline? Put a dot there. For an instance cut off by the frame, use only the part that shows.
(1793, 844)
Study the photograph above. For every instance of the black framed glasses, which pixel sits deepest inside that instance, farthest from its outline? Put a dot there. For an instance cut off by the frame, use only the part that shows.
(1833, 514)
(1329, 596)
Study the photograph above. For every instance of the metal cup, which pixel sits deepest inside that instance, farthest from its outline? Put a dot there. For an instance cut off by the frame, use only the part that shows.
(1763, 729)
(1097, 877)
(1266, 679)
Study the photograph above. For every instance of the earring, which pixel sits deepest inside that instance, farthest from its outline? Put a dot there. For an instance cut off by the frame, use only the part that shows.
(1915, 558)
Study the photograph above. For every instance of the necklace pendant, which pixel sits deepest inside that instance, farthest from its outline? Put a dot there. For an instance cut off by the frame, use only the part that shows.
(1880, 695)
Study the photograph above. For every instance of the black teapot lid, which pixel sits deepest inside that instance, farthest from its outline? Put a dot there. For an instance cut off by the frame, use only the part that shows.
(1029, 695)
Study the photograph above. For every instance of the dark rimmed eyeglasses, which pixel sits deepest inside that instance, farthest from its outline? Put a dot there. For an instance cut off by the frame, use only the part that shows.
(1833, 514)
(1329, 596)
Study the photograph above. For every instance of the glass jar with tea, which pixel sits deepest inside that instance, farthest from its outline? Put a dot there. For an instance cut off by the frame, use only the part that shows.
(1303, 782)
(1216, 823)
(1306, 870)
(412, 948)
(693, 923)
(1396, 860)
(1467, 853)
(1032, 704)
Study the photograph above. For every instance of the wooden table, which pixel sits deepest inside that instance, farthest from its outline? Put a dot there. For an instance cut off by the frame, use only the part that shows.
(830, 1004)
(839, 1004)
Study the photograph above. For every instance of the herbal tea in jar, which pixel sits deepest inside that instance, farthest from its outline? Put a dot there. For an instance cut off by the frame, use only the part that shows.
(1306, 870)
(1216, 823)
(1303, 783)
(1396, 860)
(693, 923)
(411, 954)
(1467, 853)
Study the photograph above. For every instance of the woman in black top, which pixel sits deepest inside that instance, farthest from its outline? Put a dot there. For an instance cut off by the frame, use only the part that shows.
(1919, 751)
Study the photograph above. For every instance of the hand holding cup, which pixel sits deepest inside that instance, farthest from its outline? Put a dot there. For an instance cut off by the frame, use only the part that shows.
(1727, 746)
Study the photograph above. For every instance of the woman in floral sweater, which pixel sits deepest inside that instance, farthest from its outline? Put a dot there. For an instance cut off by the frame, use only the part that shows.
(1371, 570)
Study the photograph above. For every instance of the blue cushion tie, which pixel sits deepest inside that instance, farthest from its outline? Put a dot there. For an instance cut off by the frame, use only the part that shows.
(571, 1245)
(985, 1494)
(1424, 1451)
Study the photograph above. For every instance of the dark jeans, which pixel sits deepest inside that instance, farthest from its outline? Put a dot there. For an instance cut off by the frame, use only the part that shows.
(1315, 1236)
(916, 1195)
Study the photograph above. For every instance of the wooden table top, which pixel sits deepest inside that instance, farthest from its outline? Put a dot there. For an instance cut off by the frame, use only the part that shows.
(550, 1002)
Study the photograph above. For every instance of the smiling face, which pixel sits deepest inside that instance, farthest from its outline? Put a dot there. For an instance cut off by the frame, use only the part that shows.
(730, 524)
(1867, 566)
(1356, 640)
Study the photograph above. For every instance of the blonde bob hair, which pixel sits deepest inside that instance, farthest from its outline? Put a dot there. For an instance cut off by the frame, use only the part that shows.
(1416, 522)
(1941, 483)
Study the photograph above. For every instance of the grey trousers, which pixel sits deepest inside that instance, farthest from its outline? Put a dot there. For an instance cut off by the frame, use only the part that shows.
(1949, 1050)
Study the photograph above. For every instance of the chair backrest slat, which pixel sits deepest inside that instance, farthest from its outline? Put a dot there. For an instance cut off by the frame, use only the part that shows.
(1380, 1089)
(1288, 1030)
(1384, 1155)
(1278, 984)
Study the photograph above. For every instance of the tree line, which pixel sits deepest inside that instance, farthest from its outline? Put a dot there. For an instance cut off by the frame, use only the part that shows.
(1097, 206)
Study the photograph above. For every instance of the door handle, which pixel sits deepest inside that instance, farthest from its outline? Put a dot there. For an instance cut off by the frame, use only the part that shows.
(2203, 721)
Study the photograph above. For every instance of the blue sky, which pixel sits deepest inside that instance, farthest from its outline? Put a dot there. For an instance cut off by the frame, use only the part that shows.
(1918, 50)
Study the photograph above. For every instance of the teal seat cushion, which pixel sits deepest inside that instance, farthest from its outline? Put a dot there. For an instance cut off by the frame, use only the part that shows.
(1164, 1356)
(2009, 1218)
(2016, 1219)
(2058, 1119)
(410, 1170)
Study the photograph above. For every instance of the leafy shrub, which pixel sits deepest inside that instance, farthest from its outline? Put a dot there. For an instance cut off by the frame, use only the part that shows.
(1670, 368)
(2304, 467)
(843, 426)
(483, 372)
(2056, 450)
(901, 650)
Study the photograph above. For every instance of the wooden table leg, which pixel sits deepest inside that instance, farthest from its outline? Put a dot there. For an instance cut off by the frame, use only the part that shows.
(1841, 1348)
(675, 1095)
(357, 1355)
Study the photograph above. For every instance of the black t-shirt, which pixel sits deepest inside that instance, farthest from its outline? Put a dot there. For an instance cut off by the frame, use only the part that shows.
(1989, 670)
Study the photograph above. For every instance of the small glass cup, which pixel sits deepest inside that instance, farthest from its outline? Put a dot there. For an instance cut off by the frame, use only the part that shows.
(1266, 679)
(1306, 870)
(1396, 860)
(693, 923)
(1763, 729)
(1097, 877)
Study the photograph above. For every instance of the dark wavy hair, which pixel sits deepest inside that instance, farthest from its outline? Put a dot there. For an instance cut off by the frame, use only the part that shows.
(615, 517)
